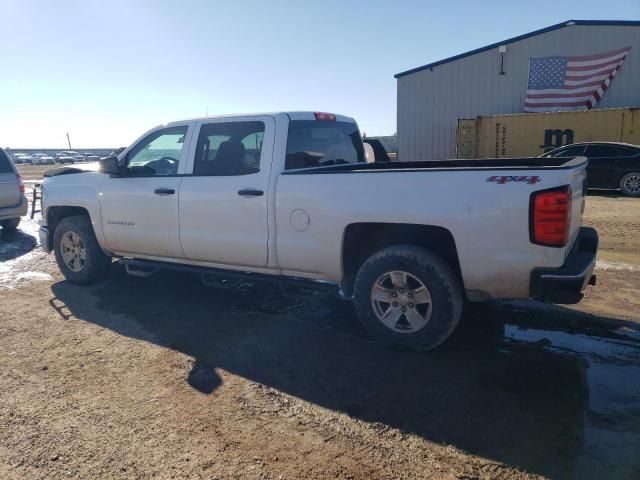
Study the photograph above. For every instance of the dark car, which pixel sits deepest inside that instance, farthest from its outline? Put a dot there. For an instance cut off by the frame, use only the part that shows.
(611, 165)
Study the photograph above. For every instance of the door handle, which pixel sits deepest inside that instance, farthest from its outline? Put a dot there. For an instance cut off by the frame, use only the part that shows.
(164, 191)
(250, 193)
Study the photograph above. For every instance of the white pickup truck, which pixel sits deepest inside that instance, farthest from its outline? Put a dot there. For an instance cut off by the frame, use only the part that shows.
(289, 196)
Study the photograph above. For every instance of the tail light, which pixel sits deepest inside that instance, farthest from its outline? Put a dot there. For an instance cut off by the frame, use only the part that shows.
(20, 183)
(325, 116)
(550, 217)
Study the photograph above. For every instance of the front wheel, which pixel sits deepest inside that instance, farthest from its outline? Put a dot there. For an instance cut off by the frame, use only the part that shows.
(407, 296)
(630, 184)
(78, 254)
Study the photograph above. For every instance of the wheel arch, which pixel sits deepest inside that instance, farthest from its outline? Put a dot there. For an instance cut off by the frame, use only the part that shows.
(57, 213)
(361, 240)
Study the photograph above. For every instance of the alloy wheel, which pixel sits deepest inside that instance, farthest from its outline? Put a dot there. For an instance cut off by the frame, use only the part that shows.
(631, 184)
(73, 251)
(401, 301)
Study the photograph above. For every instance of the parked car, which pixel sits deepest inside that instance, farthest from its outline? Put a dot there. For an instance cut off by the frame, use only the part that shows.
(41, 159)
(69, 156)
(289, 197)
(385, 147)
(19, 158)
(13, 203)
(380, 154)
(611, 165)
(63, 158)
(90, 157)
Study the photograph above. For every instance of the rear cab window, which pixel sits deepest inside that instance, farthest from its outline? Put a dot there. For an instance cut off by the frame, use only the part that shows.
(318, 143)
(5, 164)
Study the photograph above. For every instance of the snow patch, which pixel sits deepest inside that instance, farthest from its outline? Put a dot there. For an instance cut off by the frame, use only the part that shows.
(616, 266)
(41, 276)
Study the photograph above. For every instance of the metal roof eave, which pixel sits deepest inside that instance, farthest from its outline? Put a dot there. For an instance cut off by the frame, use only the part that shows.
(624, 23)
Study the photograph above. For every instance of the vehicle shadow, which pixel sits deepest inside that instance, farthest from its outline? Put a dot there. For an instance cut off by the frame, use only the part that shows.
(15, 244)
(515, 403)
(606, 193)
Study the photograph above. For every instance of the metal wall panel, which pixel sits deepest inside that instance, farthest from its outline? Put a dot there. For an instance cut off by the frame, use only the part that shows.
(430, 102)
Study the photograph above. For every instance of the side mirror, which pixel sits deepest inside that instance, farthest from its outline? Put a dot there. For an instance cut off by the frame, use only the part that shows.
(110, 166)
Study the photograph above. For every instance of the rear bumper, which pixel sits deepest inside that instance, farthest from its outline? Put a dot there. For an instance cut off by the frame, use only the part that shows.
(565, 284)
(19, 210)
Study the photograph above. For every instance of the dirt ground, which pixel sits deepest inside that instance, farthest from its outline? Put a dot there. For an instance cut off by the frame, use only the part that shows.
(35, 172)
(163, 377)
(617, 220)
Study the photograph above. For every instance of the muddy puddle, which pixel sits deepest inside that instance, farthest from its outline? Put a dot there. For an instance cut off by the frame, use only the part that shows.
(610, 444)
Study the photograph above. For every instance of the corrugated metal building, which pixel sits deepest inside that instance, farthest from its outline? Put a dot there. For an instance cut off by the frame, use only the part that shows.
(433, 97)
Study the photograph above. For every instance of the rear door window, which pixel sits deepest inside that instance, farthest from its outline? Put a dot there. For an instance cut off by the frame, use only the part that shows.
(229, 149)
(628, 152)
(317, 143)
(5, 164)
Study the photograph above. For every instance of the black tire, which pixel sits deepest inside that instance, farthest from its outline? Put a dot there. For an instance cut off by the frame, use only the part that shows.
(96, 264)
(629, 184)
(434, 273)
(11, 225)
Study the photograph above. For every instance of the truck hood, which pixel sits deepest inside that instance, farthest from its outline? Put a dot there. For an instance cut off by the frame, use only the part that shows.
(89, 167)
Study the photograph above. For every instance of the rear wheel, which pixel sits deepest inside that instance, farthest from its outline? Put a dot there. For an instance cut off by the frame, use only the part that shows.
(10, 225)
(630, 184)
(408, 296)
(78, 254)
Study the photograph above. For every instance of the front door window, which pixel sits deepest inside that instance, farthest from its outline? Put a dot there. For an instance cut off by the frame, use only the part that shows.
(158, 154)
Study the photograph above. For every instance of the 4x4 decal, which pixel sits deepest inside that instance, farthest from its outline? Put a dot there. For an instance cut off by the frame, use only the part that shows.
(502, 179)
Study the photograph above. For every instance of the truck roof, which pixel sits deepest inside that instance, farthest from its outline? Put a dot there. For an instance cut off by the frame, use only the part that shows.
(293, 115)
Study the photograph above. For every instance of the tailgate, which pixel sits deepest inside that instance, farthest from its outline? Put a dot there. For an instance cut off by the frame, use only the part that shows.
(9, 190)
(578, 182)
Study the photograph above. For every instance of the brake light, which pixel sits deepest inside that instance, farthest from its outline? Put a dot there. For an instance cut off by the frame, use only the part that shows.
(325, 116)
(20, 183)
(550, 217)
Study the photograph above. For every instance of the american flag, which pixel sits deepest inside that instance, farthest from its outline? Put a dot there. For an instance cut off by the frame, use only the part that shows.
(565, 83)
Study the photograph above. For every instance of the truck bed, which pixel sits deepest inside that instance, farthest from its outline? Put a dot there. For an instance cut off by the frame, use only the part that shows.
(534, 163)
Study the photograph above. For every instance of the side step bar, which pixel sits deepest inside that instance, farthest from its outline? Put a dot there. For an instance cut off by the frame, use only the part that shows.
(136, 270)
(146, 268)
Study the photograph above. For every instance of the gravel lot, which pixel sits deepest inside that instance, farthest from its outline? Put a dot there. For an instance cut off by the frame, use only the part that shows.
(165, 378)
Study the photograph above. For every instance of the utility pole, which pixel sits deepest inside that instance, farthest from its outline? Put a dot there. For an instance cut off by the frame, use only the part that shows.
(68, 141)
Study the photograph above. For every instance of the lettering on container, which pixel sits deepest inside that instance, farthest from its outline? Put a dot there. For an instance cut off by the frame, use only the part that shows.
(556, 138)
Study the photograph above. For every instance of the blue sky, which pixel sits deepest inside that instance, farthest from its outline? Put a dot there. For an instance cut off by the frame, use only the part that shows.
(106, 71)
